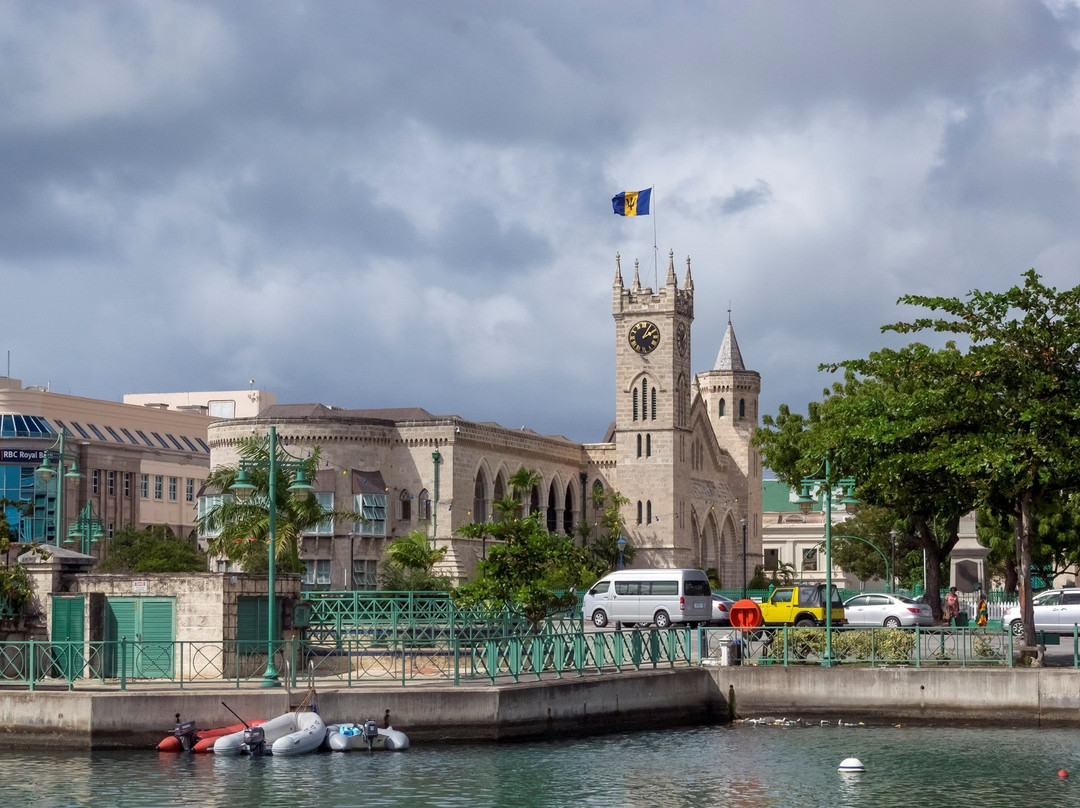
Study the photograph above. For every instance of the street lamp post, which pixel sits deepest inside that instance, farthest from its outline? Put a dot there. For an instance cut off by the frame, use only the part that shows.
(85, 529)
(806, 501)
(622, 543)
(892, 553)
(243, 488)
(46, 472)
(876, 549)
(436, 459)
(742, 521)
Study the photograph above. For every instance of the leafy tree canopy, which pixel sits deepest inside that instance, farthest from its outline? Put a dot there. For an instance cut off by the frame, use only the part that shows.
(411, 563)
(155, 549)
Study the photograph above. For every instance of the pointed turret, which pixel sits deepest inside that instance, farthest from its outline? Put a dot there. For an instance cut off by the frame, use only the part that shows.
(688, 284)
(618, 272)
(729, 358)
(671, 269)
(636, 286)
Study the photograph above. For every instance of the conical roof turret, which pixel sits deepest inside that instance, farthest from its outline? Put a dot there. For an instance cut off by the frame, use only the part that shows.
(729, 358)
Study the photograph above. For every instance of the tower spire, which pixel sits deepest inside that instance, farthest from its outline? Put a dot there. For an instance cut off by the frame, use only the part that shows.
(671, 269)
(636, 287)
(688, 284)
(618, 271)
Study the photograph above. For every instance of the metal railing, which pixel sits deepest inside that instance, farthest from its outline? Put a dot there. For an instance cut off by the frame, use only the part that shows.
(912, 647)
(551, 652)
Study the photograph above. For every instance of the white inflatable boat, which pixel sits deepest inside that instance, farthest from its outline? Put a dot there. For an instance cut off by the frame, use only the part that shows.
(346, 737)
(289, 734)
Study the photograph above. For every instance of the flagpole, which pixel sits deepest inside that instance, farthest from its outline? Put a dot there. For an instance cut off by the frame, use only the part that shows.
(655, 271)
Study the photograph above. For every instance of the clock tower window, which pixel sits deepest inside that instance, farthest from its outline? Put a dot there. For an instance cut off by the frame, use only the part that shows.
(648, 445)
(653, 401)
(722, 406)
(635, 403)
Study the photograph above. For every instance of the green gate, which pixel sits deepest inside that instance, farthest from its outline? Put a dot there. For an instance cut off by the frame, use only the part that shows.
(68, 633)
(147, 624)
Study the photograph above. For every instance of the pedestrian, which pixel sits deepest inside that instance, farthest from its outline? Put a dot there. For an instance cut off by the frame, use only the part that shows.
(952, 605)
(980, 611)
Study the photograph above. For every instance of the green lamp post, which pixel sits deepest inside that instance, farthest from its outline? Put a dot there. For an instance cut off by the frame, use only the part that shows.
(806, 500)
(46, 472)
(243, 488)
(85, 529)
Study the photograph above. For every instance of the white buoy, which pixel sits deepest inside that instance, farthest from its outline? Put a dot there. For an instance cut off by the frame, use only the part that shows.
(851, 765)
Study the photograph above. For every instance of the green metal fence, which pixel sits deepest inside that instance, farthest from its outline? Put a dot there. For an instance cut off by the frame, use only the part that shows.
(912, 647)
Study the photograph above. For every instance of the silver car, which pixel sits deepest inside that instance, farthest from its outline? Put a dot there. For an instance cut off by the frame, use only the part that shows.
(1056, 610)
(893, 611)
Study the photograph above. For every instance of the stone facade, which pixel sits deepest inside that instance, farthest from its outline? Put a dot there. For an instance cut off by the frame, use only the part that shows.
(679, 450)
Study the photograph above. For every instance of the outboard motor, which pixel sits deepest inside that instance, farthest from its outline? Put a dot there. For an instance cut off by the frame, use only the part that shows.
(254, 741)
(371, 732)
(184, 731)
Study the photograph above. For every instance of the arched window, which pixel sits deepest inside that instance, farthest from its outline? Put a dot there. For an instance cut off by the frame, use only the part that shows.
(598, 496)
(644, 397)
(499, 493)
(568, 511)
(552, 509)
(424, 506)
(405, 506)
(639, 445)
(479, 505)
(635, 403)
(742, 408)
(648, 445)
(723, 404)
(639, 511)
(648, 511)
(653, 400)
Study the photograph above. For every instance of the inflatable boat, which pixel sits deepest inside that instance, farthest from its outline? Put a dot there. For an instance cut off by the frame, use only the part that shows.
(346, 737)
(187, 738)
(289, 734)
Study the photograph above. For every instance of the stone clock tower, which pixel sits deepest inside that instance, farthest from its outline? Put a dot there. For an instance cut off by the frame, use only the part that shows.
(652, 414)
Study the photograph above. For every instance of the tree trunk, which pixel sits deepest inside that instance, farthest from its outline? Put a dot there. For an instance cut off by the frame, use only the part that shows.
(1011, 577)
(935, 554)
(1022, 524)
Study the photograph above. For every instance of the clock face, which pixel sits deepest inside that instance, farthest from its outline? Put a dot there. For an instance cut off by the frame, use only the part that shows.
(680, 338)
(644, 337)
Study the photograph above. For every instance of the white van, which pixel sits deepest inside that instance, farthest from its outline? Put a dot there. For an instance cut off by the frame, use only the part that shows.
(647, 596)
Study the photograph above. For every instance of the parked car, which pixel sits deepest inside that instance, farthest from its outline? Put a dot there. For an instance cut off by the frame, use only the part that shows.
(721, 610)
(893, 611)
(1056, 610)
(801, 605)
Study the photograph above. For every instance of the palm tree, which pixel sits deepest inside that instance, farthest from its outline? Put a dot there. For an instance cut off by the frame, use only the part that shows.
(410, 561)
(240, 530)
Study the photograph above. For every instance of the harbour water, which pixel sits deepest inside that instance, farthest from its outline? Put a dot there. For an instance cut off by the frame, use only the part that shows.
(736, 765)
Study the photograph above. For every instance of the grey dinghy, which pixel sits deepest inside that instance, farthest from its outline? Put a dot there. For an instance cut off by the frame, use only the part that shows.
(346, 737)
(289, 734)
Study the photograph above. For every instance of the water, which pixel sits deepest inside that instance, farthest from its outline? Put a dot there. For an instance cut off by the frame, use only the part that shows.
(739, 765)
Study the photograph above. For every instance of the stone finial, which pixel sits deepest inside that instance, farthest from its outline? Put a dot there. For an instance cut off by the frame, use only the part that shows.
(671, 269)
(618, 271)
(636, 287)
(688, 284)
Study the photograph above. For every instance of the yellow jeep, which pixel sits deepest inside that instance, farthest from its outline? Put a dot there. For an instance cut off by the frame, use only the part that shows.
(801, 605)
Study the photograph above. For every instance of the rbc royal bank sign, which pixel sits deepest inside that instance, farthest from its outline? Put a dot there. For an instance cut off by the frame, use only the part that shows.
(24, 457)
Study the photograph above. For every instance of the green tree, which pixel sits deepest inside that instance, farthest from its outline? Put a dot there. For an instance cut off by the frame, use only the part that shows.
(410, 565)
(528, 571)
(1016, 424)
(154, 549)
(880, 527)
(240, 530)
(605, 536)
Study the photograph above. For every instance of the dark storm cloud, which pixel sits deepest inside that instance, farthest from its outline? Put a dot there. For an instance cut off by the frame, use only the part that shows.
(379, 204)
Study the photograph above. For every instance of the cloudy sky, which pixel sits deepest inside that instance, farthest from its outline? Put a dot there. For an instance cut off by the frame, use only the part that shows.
(408, 204)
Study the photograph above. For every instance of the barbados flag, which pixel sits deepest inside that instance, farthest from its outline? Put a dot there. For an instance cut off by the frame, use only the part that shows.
(632, 203)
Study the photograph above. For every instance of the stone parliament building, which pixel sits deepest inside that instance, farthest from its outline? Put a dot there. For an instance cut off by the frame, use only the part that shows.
(679, 449)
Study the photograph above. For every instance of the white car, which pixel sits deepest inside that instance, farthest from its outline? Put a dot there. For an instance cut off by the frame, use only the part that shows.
(892, 611)
(1056, 610)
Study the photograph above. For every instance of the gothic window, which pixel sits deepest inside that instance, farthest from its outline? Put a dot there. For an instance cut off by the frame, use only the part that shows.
(722, 405)
(653, 401)
(639, 445)
(639, 511)
(742, 408)
(635, 403)
(598, 496)
(423, 507)
(479, 505)
(644, 398)
(552, 510)
(648, 511)
(648, 445)
(405, 506)
(568, 511)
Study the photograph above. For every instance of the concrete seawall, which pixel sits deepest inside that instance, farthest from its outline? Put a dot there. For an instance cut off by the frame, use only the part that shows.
(428, 712)
(439, 713)
(1020, 696)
